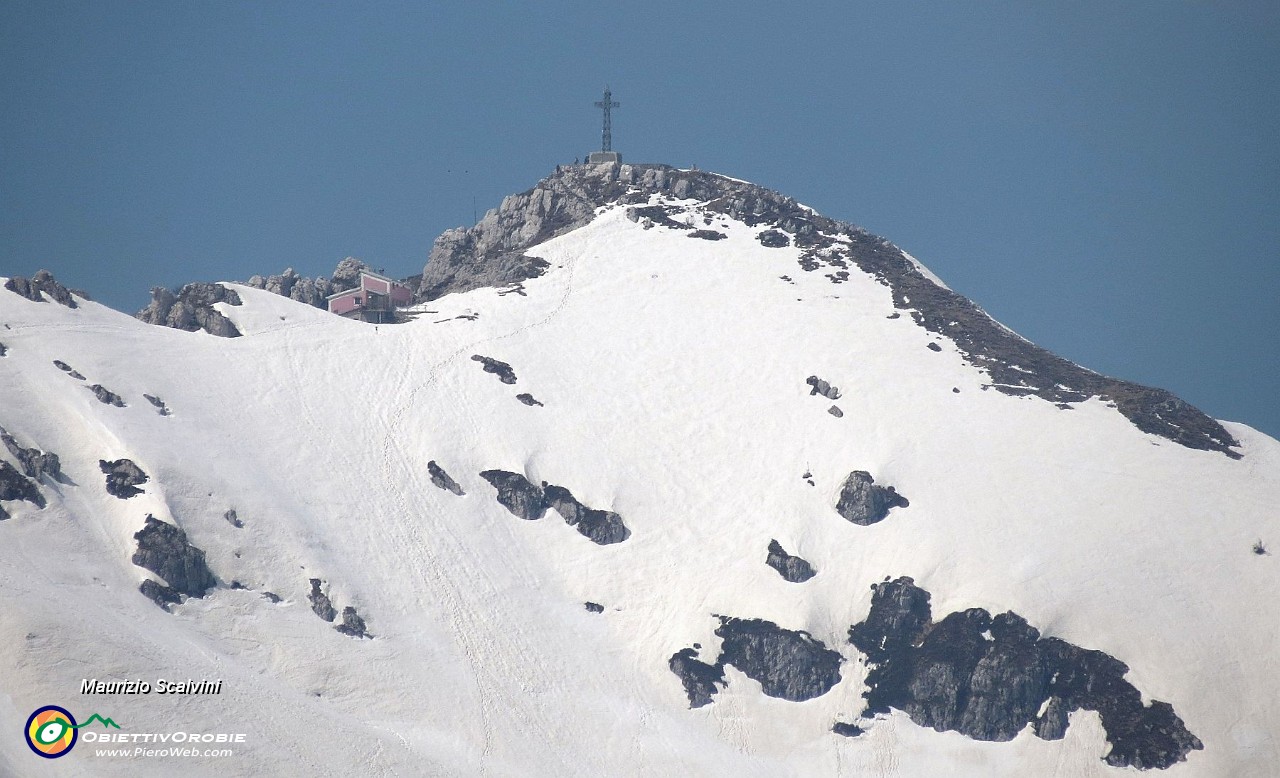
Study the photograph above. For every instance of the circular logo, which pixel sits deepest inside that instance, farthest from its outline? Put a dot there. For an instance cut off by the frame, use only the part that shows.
(51, 731)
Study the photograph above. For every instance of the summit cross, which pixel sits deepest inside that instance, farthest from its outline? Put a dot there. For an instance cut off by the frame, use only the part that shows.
(607, 105)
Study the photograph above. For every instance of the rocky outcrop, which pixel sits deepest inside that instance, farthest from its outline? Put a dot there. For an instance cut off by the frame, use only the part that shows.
(164, 550)
(106, 396)
(527, 501)
(123, 477)
(15, 486)
(492, 253)
(791, 568)
(161, 595)
(233, 518)
(516, 494)
(701, 681)
(835, 411)
(442, 480)
(988, 677)
(773, 239)
(528, 399)
(819, 386)
(41, 284)
(600, 527)
(159, 405)
(34, 462)
(191, 309)
(862, 502)
(64, 367)
(312, 291)
(320, 603)
(593, 607)
(707, 235)
(502, 370)
(352, 625)
(788, 664)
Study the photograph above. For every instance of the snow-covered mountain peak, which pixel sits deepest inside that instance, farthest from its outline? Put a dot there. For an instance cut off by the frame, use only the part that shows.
(725, 487)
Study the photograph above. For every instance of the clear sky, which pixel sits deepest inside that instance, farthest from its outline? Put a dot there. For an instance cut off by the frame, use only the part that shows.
(1102, 176)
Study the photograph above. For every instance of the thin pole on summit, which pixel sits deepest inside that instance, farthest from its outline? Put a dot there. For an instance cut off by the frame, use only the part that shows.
(607, 105)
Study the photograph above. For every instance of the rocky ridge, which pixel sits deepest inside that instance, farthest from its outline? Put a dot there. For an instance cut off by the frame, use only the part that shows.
(492, 254)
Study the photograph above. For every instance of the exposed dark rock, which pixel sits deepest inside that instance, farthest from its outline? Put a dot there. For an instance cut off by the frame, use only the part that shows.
(236, 586)
(4, 351)
(848, 730)
(659, 215)
(441, 479)
(792, 568)
(271, 596)
(35, 463)
(790, 665)
(516, 494)
(161, 408)
(192, 309)
(320, 603)
(161, 595)
(233, 519)
(835, 411)
(123, 477)
(163, 549)
(707, 235)
(699, 678)
(1260, 549)
(862, 502)
(40, 284)
(818, 386)
(600, 527)
(16, 486)
(106, 396)
(527, 399)
(312, 291)
(594, 607)
(352, 624)
(501, 369)
(488, 255)
(64, 367)
(988, 677)
(773, 239)
(933, 347)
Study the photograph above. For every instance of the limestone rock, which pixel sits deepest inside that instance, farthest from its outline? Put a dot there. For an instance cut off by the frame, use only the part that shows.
(988, 677)
(600, 527)
(164, 550)
(106, 396)
(502, 370)
(15, 486)
(701, 681)
(516, 494)
(791, 568)
(320, 603)
(161, 595)
(191, 309)
(352, 624)
(773, 239)
(442, 480)
(40, 284)
(528, 399)
(862, 502)
(123, 477)
(35, 463)
(819, 386)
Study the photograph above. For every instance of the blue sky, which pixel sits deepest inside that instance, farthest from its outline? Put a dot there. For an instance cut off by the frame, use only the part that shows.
(1103, 177)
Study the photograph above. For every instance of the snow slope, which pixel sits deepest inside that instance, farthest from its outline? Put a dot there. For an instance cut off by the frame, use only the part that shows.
(672, 372)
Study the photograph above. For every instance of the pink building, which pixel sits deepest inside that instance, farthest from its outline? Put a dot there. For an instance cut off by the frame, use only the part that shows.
(374, 300)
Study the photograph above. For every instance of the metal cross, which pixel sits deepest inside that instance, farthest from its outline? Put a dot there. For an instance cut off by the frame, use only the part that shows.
(607, 104)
